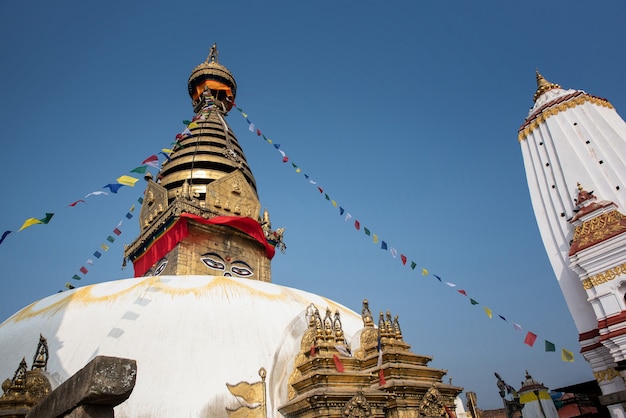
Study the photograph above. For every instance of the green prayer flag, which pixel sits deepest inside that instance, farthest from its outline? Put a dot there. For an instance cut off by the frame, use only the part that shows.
(110, 239)
(47, 218)
(140, 200)
(550, 346)
(413, 265)
(473, 302)
(367, 231)
(76, 277)
(186, 122)
(327, 198)
(141, 169)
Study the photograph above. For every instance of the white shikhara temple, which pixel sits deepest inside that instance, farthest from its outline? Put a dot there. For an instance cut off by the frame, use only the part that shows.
(574, 150)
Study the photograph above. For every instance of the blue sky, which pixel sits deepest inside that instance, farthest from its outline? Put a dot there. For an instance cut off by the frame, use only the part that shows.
(406, 114)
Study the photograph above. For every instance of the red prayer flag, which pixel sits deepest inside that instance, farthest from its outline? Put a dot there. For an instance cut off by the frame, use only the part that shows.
(320, 189)
(530, 339)
(77, 202)
(357, 225)
(285, 159)
(381, 377)
(463, 292)
(338, 363)
(117, 231)
(258, 132)
(83, 270)
(150, 159)
(403, 258)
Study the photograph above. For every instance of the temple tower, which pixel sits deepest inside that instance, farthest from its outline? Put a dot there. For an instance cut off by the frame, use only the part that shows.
(536, 400)
(571, 138)
(202, 214)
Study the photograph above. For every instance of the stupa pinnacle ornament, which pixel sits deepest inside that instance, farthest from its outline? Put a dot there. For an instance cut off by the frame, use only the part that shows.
(202, 214)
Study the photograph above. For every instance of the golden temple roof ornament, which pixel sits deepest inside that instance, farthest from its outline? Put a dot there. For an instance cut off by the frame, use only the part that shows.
(543, 85)
(213, 53)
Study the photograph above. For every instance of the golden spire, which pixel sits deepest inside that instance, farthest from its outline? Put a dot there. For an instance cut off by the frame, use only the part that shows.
(543, 85)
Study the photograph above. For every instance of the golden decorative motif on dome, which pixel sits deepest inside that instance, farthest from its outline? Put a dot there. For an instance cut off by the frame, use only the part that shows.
(605, 276)
(254, 396)
(357, 407)
(534, 121)
(606, 375)
(432, 404)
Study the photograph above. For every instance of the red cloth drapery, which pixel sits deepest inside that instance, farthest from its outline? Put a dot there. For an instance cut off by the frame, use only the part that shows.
(178, 231)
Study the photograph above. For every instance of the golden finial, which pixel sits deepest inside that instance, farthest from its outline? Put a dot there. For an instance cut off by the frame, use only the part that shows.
(213, 53)
(543, 85)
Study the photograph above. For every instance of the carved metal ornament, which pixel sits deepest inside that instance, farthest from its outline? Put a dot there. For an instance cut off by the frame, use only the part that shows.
(357, 407)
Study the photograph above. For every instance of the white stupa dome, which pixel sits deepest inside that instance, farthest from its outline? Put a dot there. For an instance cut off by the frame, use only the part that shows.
(190, 336)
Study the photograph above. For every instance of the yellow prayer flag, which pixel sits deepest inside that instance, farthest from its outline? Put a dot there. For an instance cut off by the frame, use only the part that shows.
(567, 356)
(269, 140)
(249, 392)
(29, 222)
(127, 180)
(488, 312)
(375, 239)
(104, 247)
(424, 272)
(245, 115)
(192, 125)
(298, 170)
(246, 412)
(132, 208)
(334, 203)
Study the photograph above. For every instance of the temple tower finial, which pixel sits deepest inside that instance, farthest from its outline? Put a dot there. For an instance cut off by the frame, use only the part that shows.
(543, 85)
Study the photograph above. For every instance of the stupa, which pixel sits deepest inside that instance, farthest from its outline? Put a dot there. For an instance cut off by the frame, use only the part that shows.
(574, 146)
(210, 333)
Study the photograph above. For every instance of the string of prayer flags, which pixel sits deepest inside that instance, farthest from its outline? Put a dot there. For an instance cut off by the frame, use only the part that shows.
(530, 337)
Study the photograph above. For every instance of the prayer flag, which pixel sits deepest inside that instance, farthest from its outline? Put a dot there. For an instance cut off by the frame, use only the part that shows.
(517, 327)
(413, 265)
(140, 200)
(117, 231)
(83, 270)
(488, 312)
(502, 318)
(567, 356)
(473, 302)
(89, 261)
(341, 210)
(97, 254)
(69, 286)
(258, 133)
(530, 339)
(127, 180)
(348, 217)
(104, 247)
(463, 292)
(326, 196)
(110, 239)
(251, 127)
(343, 351)
(245, 115)
(425, 273)
(151, 159)
(367, 231)
(403, 258)
(76, 277)
(192, 125)
(333, 203)
(320, 189)
(77, 202)
(187, 132)
(167, 150)
(129, 215)
(140, 170)
(113, 187)
(450, 284)
(394, 252)
(4, 235)
(167, 157)
(383, 245)
(357, 225)
(375, 239)
(132, 208)
(186, 122)
(29, 222)
(276, 146)
(550, 346)
(338, 363)
(97, 193)
(381, 377)
(298, 170)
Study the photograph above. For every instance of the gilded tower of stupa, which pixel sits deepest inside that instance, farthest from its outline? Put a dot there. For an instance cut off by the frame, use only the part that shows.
(201, 214)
